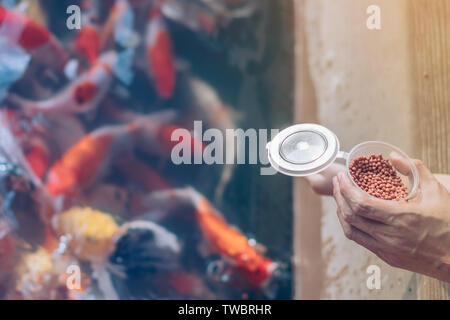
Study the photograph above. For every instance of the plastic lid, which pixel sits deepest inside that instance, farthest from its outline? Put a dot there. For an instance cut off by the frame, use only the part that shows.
(303, 149)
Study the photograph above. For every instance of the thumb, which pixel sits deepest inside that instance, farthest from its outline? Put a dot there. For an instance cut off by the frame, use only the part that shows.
(401, 163)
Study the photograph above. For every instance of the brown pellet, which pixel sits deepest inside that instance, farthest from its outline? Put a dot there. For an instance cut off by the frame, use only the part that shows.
(376, 176)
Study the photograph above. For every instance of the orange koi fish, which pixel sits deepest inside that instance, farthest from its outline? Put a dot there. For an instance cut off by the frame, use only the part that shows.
(222, 237)
(232, 244)
(86, 160)
(82, 95)
(33, 38)
(160, 54)
(87, 42)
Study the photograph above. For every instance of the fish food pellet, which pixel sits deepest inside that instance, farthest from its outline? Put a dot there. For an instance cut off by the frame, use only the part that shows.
(376, 176)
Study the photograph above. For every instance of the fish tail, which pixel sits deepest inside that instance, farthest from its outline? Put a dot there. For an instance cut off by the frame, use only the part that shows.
(27, 106)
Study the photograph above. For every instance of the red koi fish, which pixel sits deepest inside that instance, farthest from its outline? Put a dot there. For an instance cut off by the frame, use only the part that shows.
(33, 38)
(27, 134)
(38, 156)
(88, 158)
(82, 95)
(222, 237)
(11, 119)
(87, 42)
(160, 54)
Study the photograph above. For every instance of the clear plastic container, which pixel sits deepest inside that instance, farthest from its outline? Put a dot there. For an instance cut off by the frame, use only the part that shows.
(305, 149)
(408, 173)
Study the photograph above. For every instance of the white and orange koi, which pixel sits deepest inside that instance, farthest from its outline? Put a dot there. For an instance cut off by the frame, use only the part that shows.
(33, 38)
(82, 95)
(88, 159)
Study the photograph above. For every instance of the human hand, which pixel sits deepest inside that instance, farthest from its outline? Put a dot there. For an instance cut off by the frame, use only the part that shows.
(322, 183)
(412, 234)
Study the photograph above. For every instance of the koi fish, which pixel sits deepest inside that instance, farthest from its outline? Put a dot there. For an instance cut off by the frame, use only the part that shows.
(88, 158)
(12, 119)
(160, 54)
(33, 38)
(90, 231)
(87, 42)
(81, 96)
(145, 245)
(205, 104)
(222, 237)
(154, 134)
(232, 244)
(37, 155)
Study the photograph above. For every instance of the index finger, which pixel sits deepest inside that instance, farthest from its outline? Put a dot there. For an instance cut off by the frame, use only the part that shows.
(365, 205)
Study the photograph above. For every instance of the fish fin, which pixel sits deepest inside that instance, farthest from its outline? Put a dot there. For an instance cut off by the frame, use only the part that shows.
(123, 68)
(225, 178)
(27, 106)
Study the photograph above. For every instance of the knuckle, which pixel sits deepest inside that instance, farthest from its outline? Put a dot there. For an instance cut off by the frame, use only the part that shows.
(349, 217)
(349, 233)
(335, 192)
(361, 206)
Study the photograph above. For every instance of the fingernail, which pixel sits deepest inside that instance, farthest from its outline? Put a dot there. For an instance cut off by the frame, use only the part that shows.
(340, 176)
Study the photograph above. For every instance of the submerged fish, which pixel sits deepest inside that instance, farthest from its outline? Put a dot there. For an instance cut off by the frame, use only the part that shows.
(82, 95)
(222, 237)
(87, 42)
(33, 38)
(88, 158)
(90, 232)
(161, 60)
